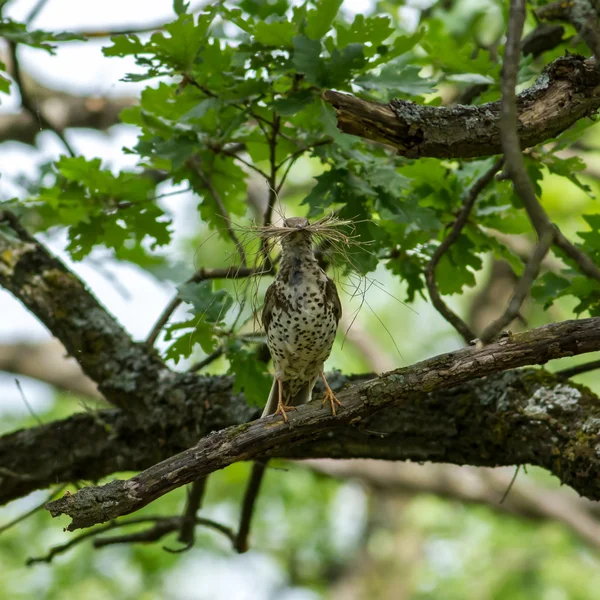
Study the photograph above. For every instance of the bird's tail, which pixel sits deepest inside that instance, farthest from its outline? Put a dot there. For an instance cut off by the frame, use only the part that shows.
(301, 397)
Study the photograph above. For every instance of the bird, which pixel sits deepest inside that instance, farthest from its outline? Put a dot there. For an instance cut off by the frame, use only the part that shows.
(300, 316)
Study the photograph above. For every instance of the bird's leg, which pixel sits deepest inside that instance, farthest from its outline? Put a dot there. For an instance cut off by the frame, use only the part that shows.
(281, 407)
(329, 396)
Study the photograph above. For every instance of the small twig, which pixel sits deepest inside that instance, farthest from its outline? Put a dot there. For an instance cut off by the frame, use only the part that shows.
(26, 402)
(454, 234)
(199, 276)
(301, 151)
(194, 502)
(60, 549)
(521, 289)
(162, 526)
(12, 474)
(584, 262)
(104, 33)
(222, 209)
(207, 360)
(248, 164)
(35, 11)
(291, 160)
(272, 179)
(155, 533)
(30, 512)
(252, 489)
(510, 485)
(579, 369)
(28, 104)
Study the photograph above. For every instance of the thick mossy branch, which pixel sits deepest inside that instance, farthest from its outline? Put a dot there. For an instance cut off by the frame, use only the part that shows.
(126, 372)
(549, 423)
(567, 90)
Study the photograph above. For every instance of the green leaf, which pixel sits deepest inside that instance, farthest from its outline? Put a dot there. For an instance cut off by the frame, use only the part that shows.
(342, 64)
(319, 21)
(548, 288)
(180, 7)
(293, 103)
(401, 45)
(264, 10)
(249, 375)
(395, 79)
(457, 267)
(209, 305)
(4, 81)
(199, 332)
(372, 31)
(307, 58)
(567, 167)
(19, 33)
(124, 45)
(276, 33)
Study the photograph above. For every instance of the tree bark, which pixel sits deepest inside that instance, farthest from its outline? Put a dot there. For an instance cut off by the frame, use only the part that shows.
(567, 91)
(516, 417)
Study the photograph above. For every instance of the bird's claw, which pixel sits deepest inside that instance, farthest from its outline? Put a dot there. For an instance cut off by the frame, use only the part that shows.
(282, 409)
(329, 396)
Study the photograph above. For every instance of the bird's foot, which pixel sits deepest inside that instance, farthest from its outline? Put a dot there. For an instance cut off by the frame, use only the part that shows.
(330, 397)
(282, 409)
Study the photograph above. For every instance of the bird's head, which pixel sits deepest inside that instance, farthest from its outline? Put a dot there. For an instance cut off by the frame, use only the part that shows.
(300, 231)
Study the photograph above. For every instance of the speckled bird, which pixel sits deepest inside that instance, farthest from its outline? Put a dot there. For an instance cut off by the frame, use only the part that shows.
(301, 313)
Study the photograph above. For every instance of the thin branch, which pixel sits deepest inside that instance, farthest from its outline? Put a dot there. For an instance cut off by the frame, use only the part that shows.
(60, 549)
(579, 369)
(159, 530)
(583, 261)
(248, 164)
(200, 275)
(163, 527)
(291, 159)
(511, 146)
(250, 497)
(193, 504)
(151, 27)
(26, 403)
(521, 289)
(463, 216)
(27, 103)
(509, 136)
(302, 150)
(585, 20)
(272, 179)
(35, 11)
(207, 360)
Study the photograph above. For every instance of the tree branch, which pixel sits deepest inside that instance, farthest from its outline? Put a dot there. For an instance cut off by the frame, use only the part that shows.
(27, 103)
(472, 485)
(554, 426)
(47, 363)
(461, 220)
(566, 91)
(124, 371)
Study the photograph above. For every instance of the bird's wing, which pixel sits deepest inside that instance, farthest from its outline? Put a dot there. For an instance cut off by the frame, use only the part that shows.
(268, 306)
(331, 296)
